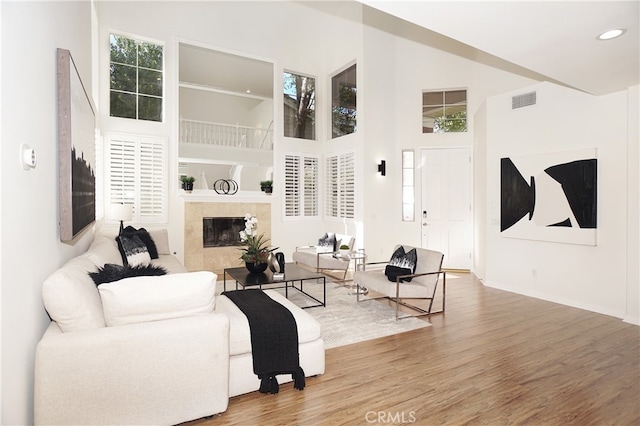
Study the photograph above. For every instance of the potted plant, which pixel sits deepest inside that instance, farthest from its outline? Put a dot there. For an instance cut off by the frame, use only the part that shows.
(257, 251)
(345, 250)
(187, 183)
(266, 186)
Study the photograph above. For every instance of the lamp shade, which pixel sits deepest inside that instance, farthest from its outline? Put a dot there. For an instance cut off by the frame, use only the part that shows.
(122, 212)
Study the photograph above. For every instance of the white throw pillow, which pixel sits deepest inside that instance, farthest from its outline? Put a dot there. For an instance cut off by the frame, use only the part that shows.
(143, 299)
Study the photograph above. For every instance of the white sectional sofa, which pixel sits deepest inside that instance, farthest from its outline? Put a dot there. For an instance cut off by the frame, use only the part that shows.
(147, 350)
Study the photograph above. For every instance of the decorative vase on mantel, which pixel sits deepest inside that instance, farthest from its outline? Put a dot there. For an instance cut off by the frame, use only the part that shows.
(255, 267)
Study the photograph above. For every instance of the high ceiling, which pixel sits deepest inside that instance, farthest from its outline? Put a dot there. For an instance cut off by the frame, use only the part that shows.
(552, 40)
(556, 39)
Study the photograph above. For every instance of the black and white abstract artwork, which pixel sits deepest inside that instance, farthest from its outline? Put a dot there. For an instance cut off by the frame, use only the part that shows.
(550, 197)
(76, 152)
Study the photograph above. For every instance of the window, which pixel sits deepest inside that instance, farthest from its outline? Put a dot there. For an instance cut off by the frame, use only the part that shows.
(444, 111)
(408, 186)
(343, 102)
(301, 186)
(137, 175)
(136, 74)
(299, 106)
(340, 186)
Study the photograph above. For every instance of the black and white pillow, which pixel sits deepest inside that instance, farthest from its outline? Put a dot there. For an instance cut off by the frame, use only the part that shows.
(327, 243)
(401, 263)
(133, 250)
(144, 235)
(111, 272)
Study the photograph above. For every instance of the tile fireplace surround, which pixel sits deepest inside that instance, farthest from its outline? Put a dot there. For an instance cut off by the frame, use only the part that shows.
(196, 256)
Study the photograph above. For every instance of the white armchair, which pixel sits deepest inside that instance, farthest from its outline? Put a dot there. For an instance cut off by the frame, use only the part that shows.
(321, 261)
(422, 285)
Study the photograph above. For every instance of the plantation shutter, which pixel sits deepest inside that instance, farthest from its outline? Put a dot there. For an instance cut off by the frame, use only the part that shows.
(331, 187)
(152, 179)
(347, 186)
(311, 186)
(292, 185)
(301, 186)
(340, 186)
(136, 175)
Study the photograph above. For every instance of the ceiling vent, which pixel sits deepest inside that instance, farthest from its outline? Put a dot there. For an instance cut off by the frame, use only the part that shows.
(526, 99)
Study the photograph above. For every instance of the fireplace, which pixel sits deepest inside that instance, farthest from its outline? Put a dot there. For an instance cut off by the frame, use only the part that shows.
(222, 231)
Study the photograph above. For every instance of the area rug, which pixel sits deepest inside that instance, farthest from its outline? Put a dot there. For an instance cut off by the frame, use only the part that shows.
(345, 321)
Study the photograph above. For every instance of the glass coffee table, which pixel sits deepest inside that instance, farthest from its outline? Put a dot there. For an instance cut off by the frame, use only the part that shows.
(293, 274)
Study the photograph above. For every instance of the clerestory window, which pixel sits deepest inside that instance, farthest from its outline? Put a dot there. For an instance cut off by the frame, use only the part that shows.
(136, 79)
(444, 111)
(343, 102)
(299, 106)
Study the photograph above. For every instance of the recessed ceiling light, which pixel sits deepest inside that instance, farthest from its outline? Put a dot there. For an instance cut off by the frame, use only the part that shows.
(608, 35)
(248, 90)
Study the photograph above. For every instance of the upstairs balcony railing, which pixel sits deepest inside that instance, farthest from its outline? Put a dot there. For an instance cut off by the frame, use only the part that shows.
(229, 135)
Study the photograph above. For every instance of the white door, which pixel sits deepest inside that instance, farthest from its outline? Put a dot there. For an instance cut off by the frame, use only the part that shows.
(446, 217)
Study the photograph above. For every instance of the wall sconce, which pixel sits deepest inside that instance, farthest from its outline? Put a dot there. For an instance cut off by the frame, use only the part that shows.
(382, 168)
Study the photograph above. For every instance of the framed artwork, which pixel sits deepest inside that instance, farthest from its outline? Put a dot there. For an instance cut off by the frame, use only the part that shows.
(76, 152)
(550, 197)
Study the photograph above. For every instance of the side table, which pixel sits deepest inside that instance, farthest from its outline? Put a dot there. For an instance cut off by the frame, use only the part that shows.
(359, 258)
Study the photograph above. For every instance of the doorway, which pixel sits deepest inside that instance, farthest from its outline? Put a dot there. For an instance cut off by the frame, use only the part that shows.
(446, 213)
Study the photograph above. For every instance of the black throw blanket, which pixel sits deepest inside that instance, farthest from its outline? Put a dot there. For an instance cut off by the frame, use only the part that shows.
(274, 338)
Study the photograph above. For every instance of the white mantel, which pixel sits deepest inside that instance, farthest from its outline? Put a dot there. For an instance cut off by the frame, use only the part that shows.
(211, 196)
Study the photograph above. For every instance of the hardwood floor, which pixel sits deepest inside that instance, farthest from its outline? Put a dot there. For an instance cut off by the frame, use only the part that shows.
(494, 358)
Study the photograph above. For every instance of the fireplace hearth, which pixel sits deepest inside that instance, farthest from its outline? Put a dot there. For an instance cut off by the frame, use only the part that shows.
(222, 231)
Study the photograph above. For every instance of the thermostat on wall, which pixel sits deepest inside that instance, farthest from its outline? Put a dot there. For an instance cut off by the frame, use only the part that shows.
(27, 157)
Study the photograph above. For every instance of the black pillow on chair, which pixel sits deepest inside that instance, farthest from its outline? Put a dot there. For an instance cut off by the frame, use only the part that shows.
(401, 263)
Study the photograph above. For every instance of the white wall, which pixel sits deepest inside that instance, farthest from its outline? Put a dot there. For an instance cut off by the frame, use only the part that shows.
(633, 256)
(589, 277)
(398, 66)
(31, 249)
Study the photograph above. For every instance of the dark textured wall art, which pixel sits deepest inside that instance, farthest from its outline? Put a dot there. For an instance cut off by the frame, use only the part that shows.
(550, 197)
(76, 152)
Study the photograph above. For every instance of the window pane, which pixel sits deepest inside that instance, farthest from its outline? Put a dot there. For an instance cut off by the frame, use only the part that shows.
(123, 50)
(123, 77)
(407, 177)
(455, 96)
(299, 106)
(432, 98)
(149, 55)
(343, 102)
(407, 212)
(149, 108)
(454, 109)
(433, 112)
(123, 105)
(149, 82)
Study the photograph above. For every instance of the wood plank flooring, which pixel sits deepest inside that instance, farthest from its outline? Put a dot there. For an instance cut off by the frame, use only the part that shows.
(494, 358)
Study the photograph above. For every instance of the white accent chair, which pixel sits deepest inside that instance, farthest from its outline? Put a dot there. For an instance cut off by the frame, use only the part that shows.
(327, 260)
(423, 284)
